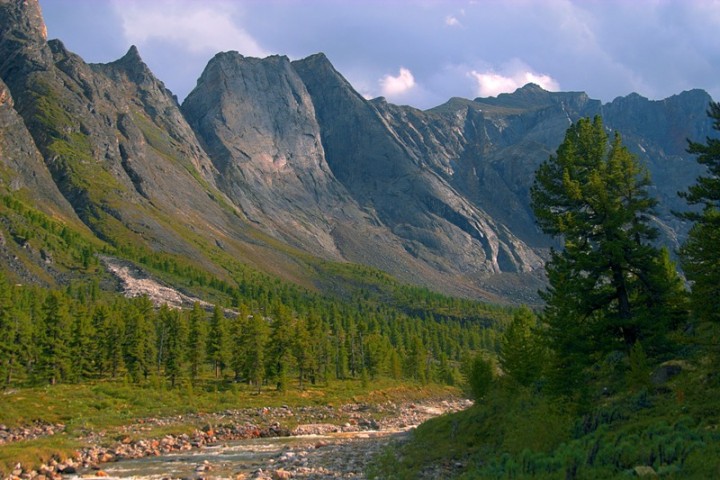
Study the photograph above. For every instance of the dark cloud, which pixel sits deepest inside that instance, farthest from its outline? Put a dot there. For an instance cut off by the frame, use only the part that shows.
(606, 48)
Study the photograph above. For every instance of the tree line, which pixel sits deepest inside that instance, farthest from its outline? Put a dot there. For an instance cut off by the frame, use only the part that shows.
(82, 333)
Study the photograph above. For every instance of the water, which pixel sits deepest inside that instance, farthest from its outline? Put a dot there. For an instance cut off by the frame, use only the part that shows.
(340, 453)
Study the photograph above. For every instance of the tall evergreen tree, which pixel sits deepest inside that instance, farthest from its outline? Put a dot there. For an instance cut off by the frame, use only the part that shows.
(56, 360)
(197, 341)
(522, 353)
(608, 286)
(83, 337)
(255, 339)
(280, 346)
(176, 328)
(701, 252)
(140, 339)
(218, 343)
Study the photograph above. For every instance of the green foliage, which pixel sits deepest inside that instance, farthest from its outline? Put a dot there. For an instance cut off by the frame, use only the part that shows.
(522, 354)
(481, 377)
(700, 253)
(610, 286)
(639, 374)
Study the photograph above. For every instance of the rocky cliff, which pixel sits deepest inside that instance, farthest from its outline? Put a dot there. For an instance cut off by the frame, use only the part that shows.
(282, 164)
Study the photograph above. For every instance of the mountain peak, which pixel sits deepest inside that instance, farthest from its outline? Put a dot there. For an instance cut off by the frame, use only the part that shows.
(531, 88)
(132, 55)
(22, 21)
(134, 67)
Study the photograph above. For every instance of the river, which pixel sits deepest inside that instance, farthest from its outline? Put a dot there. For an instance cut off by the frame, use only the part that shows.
(338, 455)
(342, 454)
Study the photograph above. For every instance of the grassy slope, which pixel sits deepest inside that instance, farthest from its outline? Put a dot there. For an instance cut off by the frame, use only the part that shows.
(514, 433)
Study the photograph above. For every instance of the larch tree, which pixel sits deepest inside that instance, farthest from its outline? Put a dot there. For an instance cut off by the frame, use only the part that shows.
(521, 350)
(218, 342)
(197, 341)
(608, 287)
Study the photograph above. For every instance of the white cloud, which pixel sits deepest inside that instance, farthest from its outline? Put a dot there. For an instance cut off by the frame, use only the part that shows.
(194, 26)
(491, 84)
(452, 21)
(394, 86)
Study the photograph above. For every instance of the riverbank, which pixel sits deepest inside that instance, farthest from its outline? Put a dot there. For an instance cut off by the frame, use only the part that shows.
(95, 445)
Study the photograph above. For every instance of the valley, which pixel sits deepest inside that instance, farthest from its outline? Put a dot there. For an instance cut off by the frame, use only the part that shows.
(184, 284)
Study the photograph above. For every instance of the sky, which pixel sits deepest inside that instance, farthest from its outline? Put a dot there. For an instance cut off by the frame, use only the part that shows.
(419, 53)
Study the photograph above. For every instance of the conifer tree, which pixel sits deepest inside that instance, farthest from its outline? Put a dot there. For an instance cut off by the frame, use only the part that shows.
(140, 338)
(113, 340)
(255, 344)
(56, 359)
(175, 326)
(701, 252)
(83, 337)
(197, 340)
(608, 286)
(218, 342)
(280, 347)
(522, 353)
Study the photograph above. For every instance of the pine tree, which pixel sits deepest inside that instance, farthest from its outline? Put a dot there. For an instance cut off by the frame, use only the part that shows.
(303, 351)
(113, 341)
(701, 252)
(140, 339)
(280, 347)
(608, 286)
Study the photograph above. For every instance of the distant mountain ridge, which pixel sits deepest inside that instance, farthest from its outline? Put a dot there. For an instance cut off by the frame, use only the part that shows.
(276, 163)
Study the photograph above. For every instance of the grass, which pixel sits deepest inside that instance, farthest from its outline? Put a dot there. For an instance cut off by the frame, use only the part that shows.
(514, 433)
(109, 406)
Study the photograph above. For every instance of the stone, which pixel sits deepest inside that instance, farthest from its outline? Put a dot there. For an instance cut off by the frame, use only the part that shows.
(281, 475)
(645, 471)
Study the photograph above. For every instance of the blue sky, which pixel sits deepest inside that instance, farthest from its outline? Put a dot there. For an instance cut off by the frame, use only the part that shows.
(422, 52)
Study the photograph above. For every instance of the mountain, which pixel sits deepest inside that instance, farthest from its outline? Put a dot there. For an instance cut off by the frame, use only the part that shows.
(282, 166)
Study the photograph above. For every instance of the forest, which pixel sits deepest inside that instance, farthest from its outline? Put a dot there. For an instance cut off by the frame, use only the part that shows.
(269, 334)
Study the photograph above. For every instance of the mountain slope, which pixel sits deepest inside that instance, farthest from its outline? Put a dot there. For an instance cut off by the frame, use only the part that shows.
(283, 166)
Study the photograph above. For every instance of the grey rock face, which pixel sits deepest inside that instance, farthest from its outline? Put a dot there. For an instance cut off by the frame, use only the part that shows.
(291, 151)
(258, 124)
(374, 162)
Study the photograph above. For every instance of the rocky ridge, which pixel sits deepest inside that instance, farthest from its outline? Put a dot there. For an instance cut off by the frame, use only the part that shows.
(270, 160)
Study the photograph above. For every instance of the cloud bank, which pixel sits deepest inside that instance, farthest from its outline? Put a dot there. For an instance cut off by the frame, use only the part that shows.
(196, 27)
(491, 84)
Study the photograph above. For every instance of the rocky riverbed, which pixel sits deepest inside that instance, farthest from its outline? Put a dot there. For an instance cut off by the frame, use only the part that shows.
(324, 442)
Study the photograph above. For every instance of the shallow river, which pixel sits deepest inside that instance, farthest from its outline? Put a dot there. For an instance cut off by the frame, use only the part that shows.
(338, 455)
